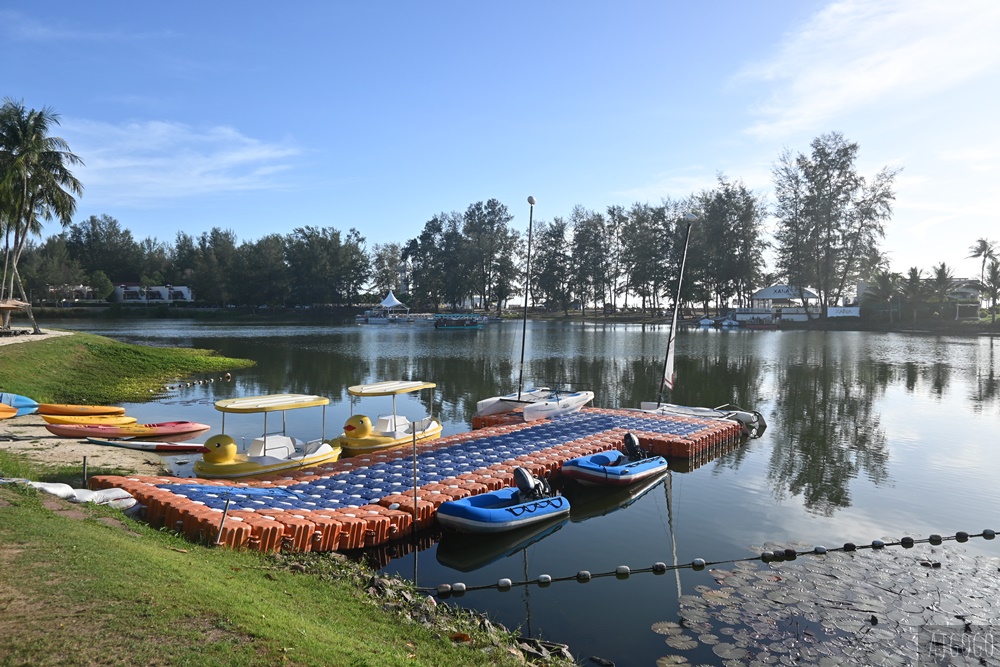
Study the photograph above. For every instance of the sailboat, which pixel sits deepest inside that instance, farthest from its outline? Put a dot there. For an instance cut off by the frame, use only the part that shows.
(540, 402)
(751, 421)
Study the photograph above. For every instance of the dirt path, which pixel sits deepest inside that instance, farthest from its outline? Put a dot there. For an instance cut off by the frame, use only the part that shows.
(30, 337)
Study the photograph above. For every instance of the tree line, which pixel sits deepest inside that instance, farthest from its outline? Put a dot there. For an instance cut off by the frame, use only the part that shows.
(929, 294)
(829, 226)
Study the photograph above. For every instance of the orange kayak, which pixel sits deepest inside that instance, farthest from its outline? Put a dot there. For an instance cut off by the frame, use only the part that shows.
(7, 411)
(67, 409)
(107, 420)
(126, 430)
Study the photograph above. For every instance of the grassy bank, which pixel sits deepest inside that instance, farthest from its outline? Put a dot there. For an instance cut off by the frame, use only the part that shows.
(88, 369)
(86, 585)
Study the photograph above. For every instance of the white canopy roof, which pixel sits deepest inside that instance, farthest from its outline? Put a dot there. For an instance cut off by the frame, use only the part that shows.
(776, 292)
(392, 302)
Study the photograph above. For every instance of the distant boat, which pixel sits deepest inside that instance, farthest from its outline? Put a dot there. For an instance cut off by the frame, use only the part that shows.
(464, 321)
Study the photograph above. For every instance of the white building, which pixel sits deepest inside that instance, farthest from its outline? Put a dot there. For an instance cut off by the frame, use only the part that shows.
(779, 303)
(154, 294)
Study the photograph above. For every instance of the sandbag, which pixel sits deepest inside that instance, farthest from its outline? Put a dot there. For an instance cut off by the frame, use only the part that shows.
(117, 498)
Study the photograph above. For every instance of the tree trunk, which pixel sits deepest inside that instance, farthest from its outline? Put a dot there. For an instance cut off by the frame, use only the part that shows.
(24, 297)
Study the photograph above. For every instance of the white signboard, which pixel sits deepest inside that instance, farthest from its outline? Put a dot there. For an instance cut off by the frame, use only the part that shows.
(852, 311)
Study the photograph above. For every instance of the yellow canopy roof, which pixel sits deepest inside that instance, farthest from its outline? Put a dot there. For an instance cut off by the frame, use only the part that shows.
(270, 403)
(389, 388)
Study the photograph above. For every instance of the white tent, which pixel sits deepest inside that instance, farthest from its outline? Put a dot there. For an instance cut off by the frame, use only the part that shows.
(390, 302)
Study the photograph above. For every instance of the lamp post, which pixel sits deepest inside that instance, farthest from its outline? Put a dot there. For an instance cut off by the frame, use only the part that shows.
(527, 294)
(667, 380)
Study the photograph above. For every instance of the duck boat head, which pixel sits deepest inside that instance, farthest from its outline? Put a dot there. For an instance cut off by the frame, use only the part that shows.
(219, 449)
(357, 427)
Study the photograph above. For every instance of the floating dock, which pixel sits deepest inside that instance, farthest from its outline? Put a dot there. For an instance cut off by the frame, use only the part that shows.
(371, 500)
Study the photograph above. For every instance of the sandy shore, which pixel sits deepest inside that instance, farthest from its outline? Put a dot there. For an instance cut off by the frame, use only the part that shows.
(31, 337)
(27, 436)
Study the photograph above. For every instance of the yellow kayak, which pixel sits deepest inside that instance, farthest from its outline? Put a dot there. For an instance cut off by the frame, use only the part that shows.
(109, 420)
(68, 409)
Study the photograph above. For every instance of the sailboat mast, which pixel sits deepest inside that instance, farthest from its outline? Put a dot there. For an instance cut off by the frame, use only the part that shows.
(667, 378)
(527, 293)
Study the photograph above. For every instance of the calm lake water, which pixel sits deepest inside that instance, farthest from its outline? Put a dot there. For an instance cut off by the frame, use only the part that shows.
(869, 436)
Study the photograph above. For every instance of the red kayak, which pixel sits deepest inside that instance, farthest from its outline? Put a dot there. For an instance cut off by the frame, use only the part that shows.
(162, 429)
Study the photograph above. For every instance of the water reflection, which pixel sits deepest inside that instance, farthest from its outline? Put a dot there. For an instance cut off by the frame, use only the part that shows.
(870, 435)
(830, 428)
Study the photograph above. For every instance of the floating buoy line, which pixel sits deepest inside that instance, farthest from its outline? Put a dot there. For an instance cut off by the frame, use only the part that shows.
(778, 555)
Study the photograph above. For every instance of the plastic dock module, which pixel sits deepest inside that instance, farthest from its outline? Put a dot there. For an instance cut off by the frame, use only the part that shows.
(369, 500)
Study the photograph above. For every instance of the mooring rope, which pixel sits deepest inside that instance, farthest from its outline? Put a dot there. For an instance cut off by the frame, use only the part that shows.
(624, 571)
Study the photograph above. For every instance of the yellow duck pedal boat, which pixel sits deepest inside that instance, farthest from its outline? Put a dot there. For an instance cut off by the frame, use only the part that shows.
(361, 436)
(271, 452)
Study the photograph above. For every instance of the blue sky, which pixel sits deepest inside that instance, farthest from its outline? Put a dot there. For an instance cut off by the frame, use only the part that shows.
(260, 118)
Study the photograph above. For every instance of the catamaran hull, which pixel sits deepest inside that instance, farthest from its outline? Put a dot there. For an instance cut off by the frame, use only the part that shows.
(499, 404)
(565, 404)
(752, 421)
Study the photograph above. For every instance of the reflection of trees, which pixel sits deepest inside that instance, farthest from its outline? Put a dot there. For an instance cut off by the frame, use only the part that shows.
(297, 364)
(830, 432)
(986, 385)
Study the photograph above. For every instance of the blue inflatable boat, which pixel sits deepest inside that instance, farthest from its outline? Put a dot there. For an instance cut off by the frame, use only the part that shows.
(615, 468)
(506, 509)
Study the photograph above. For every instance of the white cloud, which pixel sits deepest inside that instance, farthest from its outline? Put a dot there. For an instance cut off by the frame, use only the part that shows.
(671, 186)
(858, 53)
(20, 28)
(151, 161)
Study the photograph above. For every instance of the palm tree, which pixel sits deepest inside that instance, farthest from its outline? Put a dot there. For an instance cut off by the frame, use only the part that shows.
(992, 287)
(913, 290)
(885, 287)
(985, 249)
(943, 283)
(35, 184)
